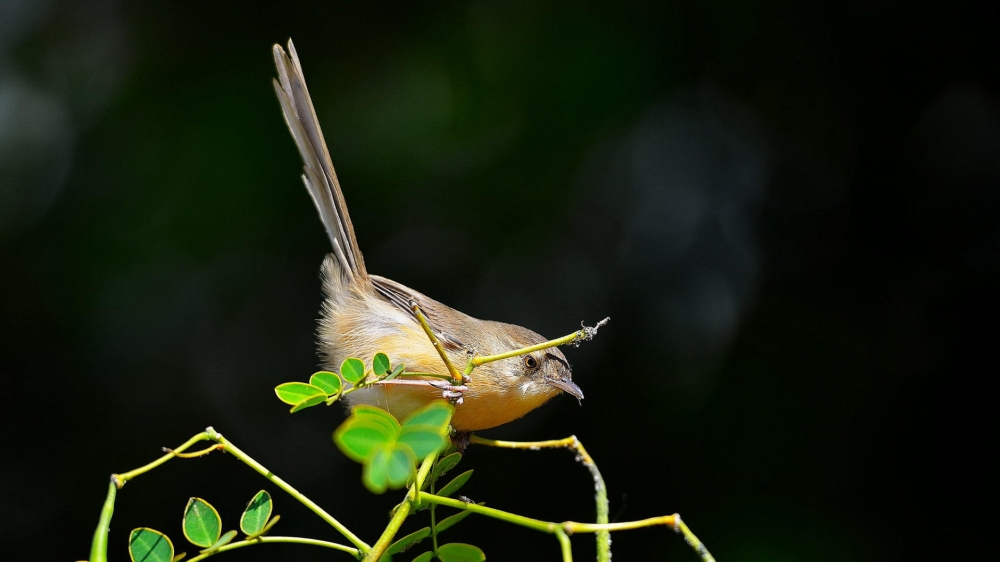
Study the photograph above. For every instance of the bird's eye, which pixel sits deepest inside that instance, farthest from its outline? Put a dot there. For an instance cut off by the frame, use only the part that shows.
(530, 362)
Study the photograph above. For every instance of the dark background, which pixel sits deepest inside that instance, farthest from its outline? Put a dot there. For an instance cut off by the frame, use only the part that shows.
(789, 212)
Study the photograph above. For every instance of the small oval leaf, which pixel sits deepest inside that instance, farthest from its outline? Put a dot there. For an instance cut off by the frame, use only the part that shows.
(402, 463)
(451, 521)
(445, 464)
(437, 414)
(327, 381)
(295, 393)
(309, 403)
(408, 541)
(380, 364)
(256, 514)
(352, 370)
(202, 525)
(360, 439)
(460, 552)
(456, 484)
(423, 439)
(149, 545)
(378, 415)
(425, 557)
(375, 475)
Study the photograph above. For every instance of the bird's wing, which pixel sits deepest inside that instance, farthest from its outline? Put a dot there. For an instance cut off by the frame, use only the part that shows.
(401, 296)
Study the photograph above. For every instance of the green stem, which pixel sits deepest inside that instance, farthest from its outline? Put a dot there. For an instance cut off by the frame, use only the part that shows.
(434, 531)
(564, 545)
(600, 489)
(402, 512)
(247, 460)
(535, 524)
(579, 335)
(123, 478)
(571, 527)
(99, 546)
(294, 540)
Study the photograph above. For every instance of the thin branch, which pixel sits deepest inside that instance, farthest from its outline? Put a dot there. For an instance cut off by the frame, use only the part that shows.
(294, 540)
(600, 489)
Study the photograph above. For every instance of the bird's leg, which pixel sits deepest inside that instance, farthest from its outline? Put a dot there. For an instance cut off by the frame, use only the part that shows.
(449, 391)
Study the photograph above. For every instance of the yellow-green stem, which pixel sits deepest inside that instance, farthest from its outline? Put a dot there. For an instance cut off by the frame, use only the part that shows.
(564, 545)
(99, 546)
(121, 479)
(482, 360)
(600, 489)
(247, 460)
(293, 540)
(402, 512)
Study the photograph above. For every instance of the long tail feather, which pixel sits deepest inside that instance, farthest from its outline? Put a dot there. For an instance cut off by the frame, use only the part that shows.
(319, 176)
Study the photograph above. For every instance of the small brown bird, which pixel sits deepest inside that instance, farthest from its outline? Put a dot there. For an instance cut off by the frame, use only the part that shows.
(365, 314)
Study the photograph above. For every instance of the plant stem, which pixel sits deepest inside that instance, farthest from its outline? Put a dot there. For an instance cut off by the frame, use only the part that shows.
(580, 335)
(434, 341)
(402, 512)
(247, 460)
(564, 545)
(600, 489)
(570, 527)
(294, 540)
(121, 479)
(535, 524)
(99, 545)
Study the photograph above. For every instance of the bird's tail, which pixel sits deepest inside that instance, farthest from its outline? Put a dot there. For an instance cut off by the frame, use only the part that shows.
(319, 175)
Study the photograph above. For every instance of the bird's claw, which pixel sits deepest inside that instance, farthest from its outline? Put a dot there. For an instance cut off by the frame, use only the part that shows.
(450, 391)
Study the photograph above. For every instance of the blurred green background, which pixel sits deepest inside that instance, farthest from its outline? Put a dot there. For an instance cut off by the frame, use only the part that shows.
(788, 211)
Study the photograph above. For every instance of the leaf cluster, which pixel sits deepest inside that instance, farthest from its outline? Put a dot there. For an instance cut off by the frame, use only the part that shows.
(390, 450)
(202, 527)
(327, 387)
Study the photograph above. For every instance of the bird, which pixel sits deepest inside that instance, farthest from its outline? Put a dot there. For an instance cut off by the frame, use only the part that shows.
(364, 314)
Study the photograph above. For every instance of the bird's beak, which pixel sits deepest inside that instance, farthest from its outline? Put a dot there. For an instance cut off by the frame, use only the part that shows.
(567, 386)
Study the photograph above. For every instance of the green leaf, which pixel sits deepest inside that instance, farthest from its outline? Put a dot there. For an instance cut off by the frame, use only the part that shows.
(408, 541)
(389, 466)
(423, 439)
(380, 364)
(352, 370)
(451, 521)
(456, 484)
(327, 381)
(425, 557)
(256, 514)
(149, 545)
(375, 475)
(223, 541)
(460, 552)
(295, 393)
(445, 464)
(402, 463)
(437, 414)
(360, 439)
(378, 415)
(395, 372)
(202, 525)
(179, 557)
(314, 401)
